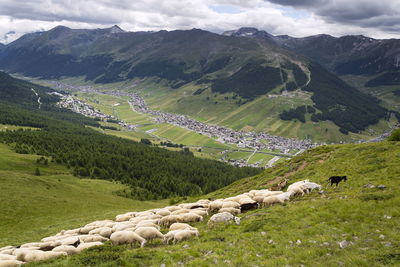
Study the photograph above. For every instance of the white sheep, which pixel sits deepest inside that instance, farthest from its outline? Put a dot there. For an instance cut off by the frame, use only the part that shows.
(127, 237)
(163, 212)
(122, 226)
(149, 233)
(181, 226)
(271, 200)
(310, 186)
(148, 224)
(184, 234)
(10, 263)
(85, 230)
(168, 220)
(230, 204)
(83, 246)
(7, 248)
(173, 208)
(4, 257)
(215, 205)
(223, 217)
(232, 211)
(70, 250)
(181, 211)
(285, 196)
(297, 189)
(37, 255)
(103, 231)
(92, 238)
(199, 212)
(69, 240)
(125, 217)
(39, 245)
(190, 217)
(69, 232)
(170, 235)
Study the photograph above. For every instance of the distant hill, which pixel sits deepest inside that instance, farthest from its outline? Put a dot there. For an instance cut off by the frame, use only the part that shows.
(246, 67)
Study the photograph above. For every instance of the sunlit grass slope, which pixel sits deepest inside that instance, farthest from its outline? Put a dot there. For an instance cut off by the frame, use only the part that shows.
(32, 207)
(306, 231)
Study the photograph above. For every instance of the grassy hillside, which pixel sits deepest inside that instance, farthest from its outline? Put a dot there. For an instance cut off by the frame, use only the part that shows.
(305, 231)
(35, 206)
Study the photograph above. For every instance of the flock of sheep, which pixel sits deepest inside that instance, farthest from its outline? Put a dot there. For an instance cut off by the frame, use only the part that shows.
(142, 227)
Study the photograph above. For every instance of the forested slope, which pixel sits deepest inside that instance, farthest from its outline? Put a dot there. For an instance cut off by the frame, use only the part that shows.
(151, 172)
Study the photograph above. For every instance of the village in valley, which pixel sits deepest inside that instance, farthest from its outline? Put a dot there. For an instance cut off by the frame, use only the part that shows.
(251, 142)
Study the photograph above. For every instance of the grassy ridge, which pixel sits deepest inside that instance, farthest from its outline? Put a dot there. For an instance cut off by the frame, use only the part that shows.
(36, 206)
(367, 217)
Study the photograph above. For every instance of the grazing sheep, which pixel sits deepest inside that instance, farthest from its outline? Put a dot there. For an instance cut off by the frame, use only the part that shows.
(271, 200)
(92, 238)
(184, 234)
(144, 213)
(170, 235)
(39, 245)
(168, 220)
(173, 208)
(125, 217)
(232, 211)
(149, 233)
(222, 218)
(103, 231)
(70, 232)
(37, 255)
(88, 245)
(310, 186)
(148, 224)
(103, 223)
(247, 203)
(85, 230)
(285, 196)
(6, 248)
(4, 257)
(181, 211)
(163, 212)
(70, 250)
(230, 204)
(10, 263)
(215, 205)
(199, 212)
(70, 240)
(296, 190)
(8, 251)
(258, 199)
(180, 226)
(122, 226)
(190, 217)
(127, 237)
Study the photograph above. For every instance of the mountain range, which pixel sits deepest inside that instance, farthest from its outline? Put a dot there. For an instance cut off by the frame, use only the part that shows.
(346, 55)
(248, 68)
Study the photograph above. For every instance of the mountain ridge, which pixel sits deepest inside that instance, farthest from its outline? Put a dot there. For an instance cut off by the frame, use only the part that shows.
(246, 67)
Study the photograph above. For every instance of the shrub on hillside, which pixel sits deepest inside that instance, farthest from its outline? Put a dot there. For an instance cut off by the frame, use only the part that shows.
(395, 136)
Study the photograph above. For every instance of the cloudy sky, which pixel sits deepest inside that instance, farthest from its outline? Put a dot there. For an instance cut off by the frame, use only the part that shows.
(374, 18)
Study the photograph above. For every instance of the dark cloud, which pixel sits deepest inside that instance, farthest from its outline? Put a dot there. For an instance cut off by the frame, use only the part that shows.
(378, 14)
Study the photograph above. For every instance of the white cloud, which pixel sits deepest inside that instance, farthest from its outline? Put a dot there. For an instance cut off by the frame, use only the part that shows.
(35, 15)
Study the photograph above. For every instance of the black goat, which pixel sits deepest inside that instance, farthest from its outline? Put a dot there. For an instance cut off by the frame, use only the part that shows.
(336, 179)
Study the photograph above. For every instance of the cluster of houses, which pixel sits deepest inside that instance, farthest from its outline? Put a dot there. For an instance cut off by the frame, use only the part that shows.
(254, 140)
(81, 107)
